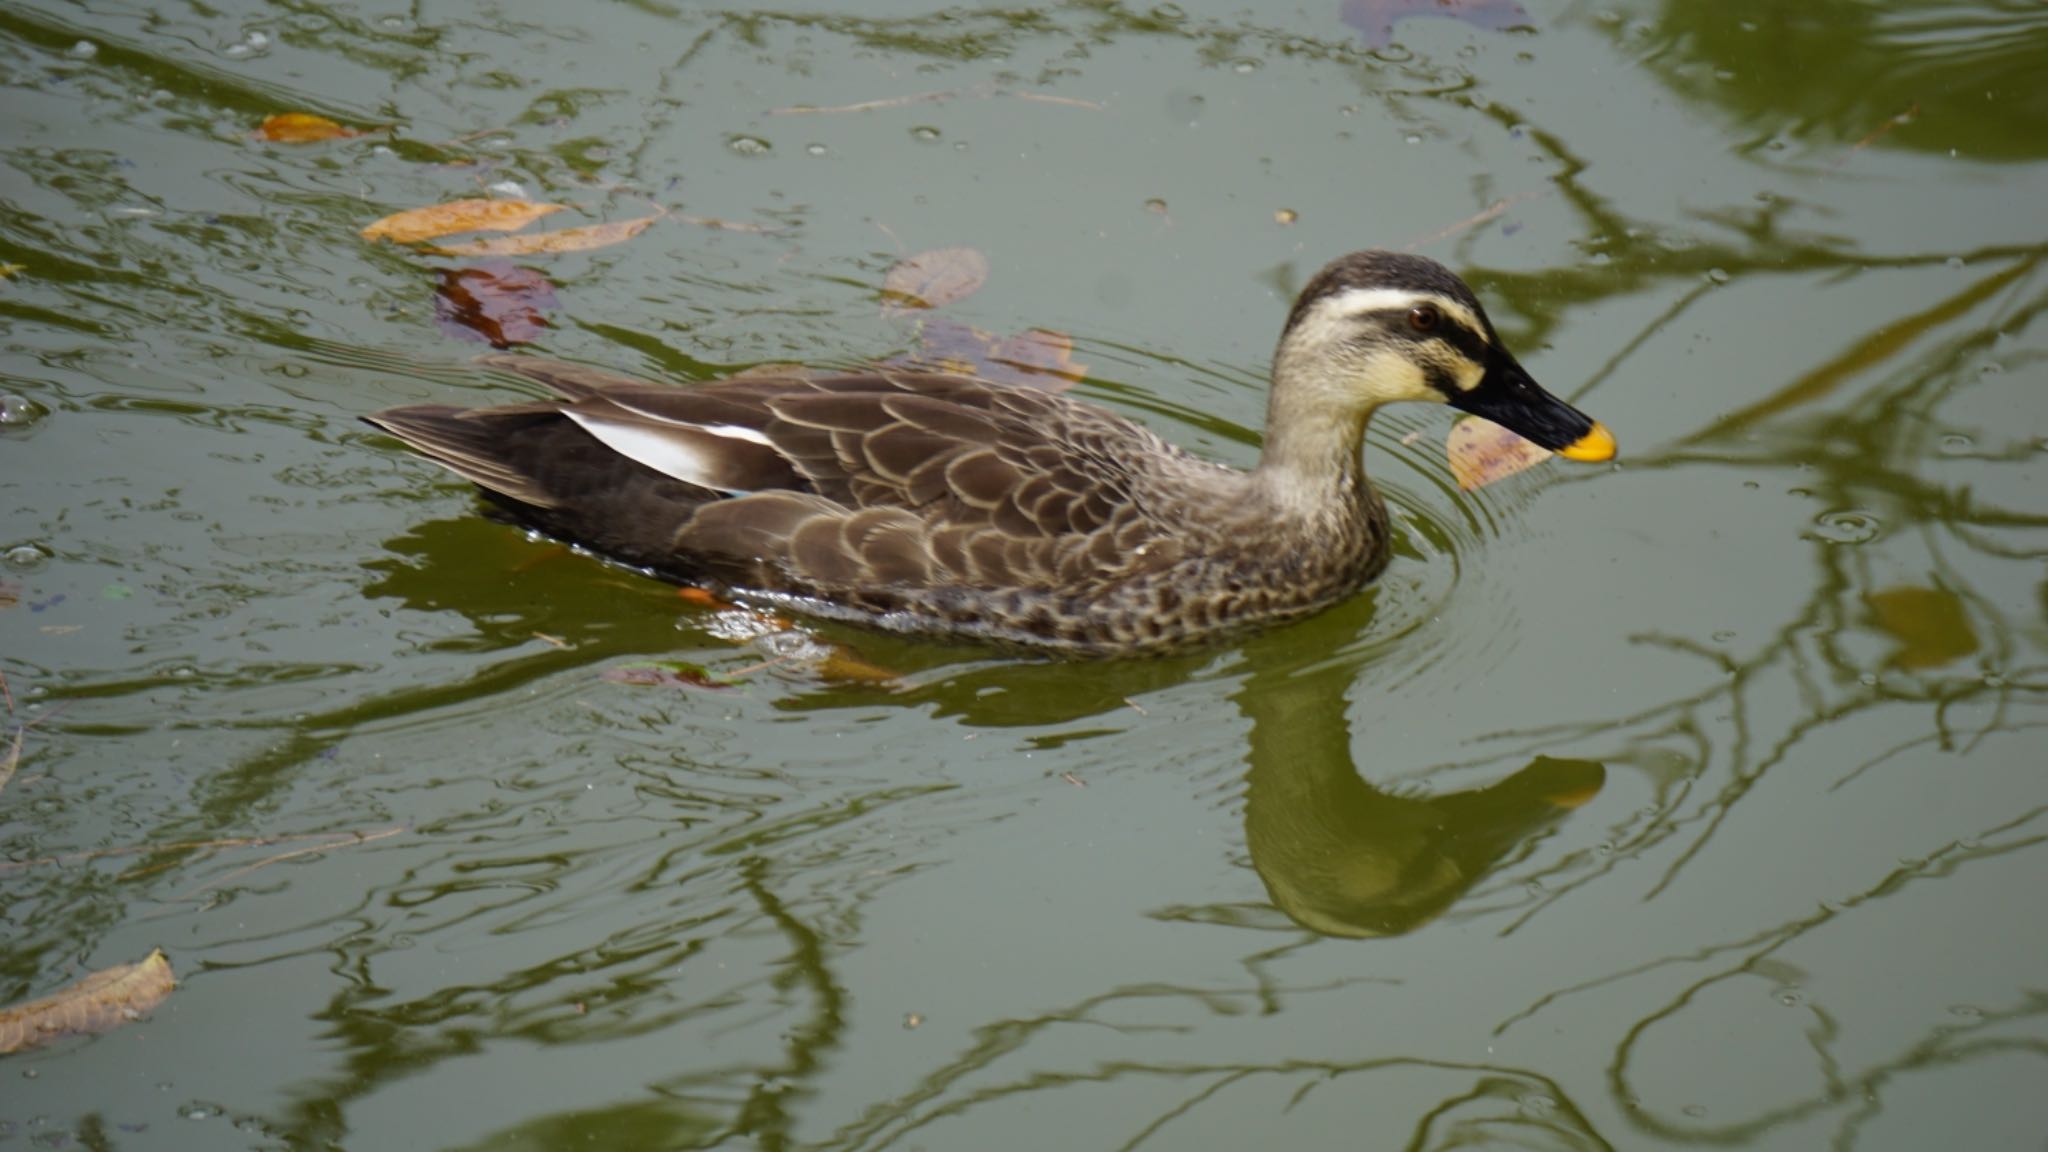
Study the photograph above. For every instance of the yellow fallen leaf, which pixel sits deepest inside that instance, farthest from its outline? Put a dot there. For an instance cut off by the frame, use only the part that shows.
(1482, 452)
(934, 279)
(1931, 625)
(415, 224)
(561, 240)
(301, 128)
(94, 1004)
(7, 271)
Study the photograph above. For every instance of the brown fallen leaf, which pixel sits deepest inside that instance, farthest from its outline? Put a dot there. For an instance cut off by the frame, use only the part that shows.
(561, 240)
(301, 128)
(498, 303)
(1931, 625)
(96, 1003)
(848, 667)
(1482, 452)
(934, 279)
(1037, 358)
(415, 224)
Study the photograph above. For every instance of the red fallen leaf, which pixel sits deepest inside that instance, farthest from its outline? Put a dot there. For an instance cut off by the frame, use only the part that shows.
(1375, 19)
(1482, 452)
(497, 303)
(934, 279)
(301, 128)
(666, 674)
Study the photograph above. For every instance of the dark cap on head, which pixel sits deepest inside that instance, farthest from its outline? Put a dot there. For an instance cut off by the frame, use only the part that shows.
(1377, 269)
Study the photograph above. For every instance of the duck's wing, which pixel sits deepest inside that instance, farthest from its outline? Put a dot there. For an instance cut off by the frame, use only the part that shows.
(857, 481)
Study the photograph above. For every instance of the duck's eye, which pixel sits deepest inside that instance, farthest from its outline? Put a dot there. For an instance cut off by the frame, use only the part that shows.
(1424, 318)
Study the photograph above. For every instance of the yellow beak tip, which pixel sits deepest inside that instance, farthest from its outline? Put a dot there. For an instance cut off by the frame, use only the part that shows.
(1596, 445)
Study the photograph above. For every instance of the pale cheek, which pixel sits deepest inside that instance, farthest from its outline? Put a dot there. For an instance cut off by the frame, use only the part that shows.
(1400, 378)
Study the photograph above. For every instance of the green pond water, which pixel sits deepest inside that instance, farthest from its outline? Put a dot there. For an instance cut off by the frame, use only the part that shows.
(1692, 801)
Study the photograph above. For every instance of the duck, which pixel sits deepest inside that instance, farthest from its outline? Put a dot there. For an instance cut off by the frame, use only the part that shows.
(943, 504)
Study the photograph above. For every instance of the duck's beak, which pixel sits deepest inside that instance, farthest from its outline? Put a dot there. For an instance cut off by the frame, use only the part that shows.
(1508, 397)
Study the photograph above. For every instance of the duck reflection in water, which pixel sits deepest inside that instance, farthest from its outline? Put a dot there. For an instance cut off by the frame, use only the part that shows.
(1342, 857)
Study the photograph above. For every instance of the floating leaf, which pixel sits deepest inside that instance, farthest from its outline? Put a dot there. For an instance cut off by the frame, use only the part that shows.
(498, 303)
(561, 240)
(1482, 452)
(849, 667)
(301, 128)
(1038, 358)
(664, 674)
(95, 1004)
(1375, 19)
(416, 224)
(8, 271)
(934, 279)
(1930, 624)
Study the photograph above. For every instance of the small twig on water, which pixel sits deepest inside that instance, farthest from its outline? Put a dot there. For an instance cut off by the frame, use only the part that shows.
(979, 91)
(1473, 221)
(356, 838)
(13, 759)
(1876, 134)
(333, 840)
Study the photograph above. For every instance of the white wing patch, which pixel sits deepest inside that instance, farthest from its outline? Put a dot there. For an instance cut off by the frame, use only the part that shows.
(676, 450)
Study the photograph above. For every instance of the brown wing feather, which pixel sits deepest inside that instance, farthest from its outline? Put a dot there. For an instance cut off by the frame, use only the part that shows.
(829, 485)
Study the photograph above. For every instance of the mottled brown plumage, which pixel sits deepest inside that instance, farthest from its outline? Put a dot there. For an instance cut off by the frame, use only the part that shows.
(941, 503)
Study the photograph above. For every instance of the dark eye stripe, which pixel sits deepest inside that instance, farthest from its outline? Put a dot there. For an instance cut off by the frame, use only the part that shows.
(1448, 329)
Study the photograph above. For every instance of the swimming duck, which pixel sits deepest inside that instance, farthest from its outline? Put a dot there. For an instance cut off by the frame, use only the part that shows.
(939, 503)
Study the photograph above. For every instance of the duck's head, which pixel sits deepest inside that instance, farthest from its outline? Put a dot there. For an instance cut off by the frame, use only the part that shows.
(1377, 327)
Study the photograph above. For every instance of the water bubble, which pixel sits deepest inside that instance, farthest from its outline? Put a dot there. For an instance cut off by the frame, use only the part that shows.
(748, 145)
(924, 133)
(1966, 1012)
(1718, 275)
(1954, 262)
(1848, 526)
(1723, 635)
(1868, 679)
(959, 145)
(1789, 997)
(1244, 66)
(84, 50)
(19, 411)
(258, 39)
(1696, 1111)
(27, 557)
(1993, 680)
(1537, 1104)
(1171, 13)
(1600, 260)
(237, 51)
(1413, 138)
(1990, 368)
(1751, 485)
(815, 149)
(1955, 444)
(1156, 206)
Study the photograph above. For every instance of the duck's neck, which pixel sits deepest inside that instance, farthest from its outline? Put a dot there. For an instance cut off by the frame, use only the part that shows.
(1311, 467)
